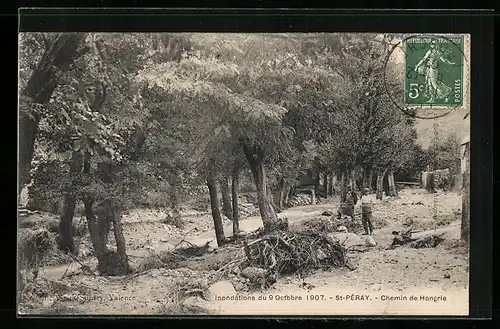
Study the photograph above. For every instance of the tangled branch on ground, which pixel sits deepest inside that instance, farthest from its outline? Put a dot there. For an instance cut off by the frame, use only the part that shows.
(174, 258)
(429, 242)
(276, 254)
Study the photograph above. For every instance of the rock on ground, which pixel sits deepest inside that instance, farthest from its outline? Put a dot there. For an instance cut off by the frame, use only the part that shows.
(370, 242)
(221, 288)
(352, 263)
(253, 273)
(347, 239)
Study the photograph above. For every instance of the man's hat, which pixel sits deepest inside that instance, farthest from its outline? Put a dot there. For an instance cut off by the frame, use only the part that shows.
(366, 190)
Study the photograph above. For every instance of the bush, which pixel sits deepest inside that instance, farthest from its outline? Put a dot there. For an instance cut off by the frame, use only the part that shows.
(445, 154)
(33, 246)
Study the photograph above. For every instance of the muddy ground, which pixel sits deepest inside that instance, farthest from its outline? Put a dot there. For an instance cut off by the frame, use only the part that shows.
(380, 273)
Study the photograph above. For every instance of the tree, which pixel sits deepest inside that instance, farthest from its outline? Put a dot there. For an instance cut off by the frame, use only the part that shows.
(248, 102)
(444, 152)
(376, 135)
(419, 161)
(235, 182)
(100, 104)
(227, 208)
(60, 52)
(66, 223)
(465, 225)
(214, 204)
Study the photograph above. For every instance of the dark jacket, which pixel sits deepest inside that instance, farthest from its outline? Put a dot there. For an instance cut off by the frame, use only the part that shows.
(354, 197)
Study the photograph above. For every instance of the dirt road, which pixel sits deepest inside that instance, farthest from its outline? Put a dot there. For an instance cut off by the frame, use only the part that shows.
(249, 224)
(434, 273)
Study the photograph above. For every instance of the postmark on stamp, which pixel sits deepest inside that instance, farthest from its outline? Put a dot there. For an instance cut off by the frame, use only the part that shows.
(434, 71)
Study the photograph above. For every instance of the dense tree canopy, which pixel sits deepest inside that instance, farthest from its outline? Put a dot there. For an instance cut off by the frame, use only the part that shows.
(181, 110)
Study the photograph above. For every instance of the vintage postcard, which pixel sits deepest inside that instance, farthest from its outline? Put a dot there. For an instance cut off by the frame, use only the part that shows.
(243, 174)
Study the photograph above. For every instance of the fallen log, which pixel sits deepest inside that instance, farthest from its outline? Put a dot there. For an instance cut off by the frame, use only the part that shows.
(429, 240)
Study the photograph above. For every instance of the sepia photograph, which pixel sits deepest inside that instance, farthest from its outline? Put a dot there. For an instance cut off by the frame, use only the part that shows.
(174, 174)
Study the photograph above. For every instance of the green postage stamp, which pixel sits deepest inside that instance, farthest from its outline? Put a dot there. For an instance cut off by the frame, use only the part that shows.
(434, 74)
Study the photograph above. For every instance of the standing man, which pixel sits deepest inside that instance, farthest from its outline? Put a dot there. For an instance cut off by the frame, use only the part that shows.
(366, 211)
(348, 202)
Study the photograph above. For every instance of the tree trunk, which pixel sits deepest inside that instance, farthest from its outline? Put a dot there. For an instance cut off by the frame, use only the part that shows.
(226, 197)
(313, 197)
(65, 239)
(255, 158)
(430, 182)
(272, 204)
(281, 193)
(343, 186)
(287, 195)
(465, 226)
(103, 215)
(42, 83)
(392, 185)
(317, 183)
(214, 203)
(175, 202)
(123, 265)
(325, 184)
(109, 262)
(235, 183)
(365, 178)
(280, 197)
(385, 184)
(332, 184)
(370, 180)
(380, 182)
(98, 244)
(352, 176)
(68, 210)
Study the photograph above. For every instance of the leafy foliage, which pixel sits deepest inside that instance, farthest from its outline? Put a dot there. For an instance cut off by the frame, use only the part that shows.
(445, 153)
(164, 106)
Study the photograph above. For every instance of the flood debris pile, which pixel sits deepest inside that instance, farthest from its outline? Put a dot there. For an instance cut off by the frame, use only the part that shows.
(300, 199)
(258, 259)
(283, 253)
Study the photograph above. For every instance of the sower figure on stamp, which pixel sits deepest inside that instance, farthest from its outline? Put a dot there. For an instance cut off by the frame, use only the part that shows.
(429, 67)
(348, 202)
(366, 211)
